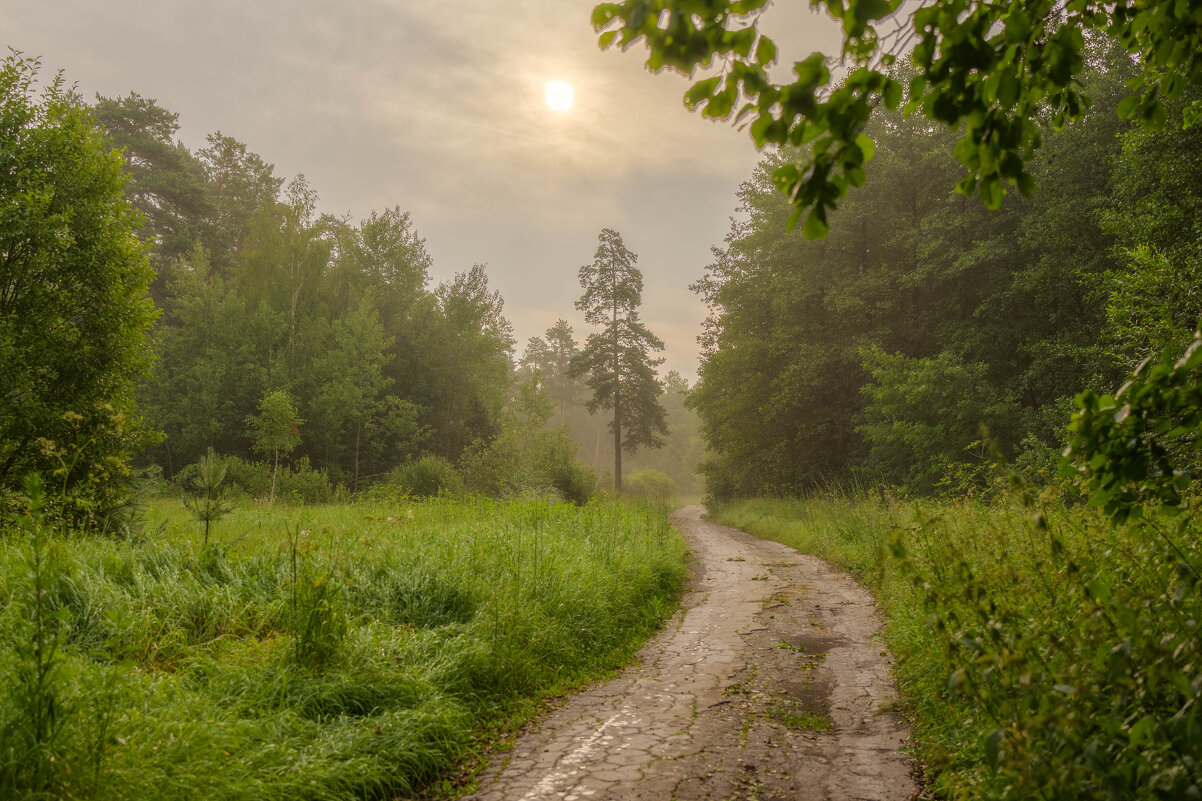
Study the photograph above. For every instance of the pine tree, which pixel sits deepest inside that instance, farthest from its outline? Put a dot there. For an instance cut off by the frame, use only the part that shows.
(621, 373)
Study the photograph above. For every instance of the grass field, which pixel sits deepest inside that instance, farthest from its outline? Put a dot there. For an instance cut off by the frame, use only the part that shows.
(355, 651)
(1041, 652)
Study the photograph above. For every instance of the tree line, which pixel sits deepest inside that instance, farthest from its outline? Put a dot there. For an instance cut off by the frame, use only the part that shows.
(230, 307)
(925, 330)
(260, 293)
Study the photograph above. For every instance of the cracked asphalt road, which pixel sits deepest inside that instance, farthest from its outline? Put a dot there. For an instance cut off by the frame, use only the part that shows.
(772, 682)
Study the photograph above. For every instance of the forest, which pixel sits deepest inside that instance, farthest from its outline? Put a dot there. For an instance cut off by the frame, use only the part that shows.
(256, 292)
(282, 517)
(927, 334)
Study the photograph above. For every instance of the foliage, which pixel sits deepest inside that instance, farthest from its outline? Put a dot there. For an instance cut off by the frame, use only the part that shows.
(74, 317)
(993, 67)
(527, 459)
(167, 184)
(651, 485)
(425, 477)
(260, 291)
(1141, 445)
(1008, 307)
(36, 714)
(275, 430)
(208, 501)
(620, 370)
(1040, 655)
(295, 483)
(458, 615)
(921, 413)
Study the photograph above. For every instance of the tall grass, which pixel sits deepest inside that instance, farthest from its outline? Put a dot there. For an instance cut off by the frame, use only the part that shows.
(328, 652)
(1042, 653)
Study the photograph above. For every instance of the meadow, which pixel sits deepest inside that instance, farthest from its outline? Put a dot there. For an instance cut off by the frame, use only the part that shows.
(365, 650)
(1041, 652)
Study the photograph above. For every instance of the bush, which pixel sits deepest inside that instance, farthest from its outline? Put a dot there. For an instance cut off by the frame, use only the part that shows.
(539, 463)
(650, 485)
(75, 317)
(298, 484)
(425, 477)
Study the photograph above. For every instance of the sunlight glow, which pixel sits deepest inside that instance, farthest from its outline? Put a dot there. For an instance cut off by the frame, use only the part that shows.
(559, 96)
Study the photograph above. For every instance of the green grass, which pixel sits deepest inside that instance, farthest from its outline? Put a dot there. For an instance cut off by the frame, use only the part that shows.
(1041, 652)
(356, 651)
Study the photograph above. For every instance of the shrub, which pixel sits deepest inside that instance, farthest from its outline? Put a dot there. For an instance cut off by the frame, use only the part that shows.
(650, 485)
(529, 463)
(426, 476)
(299, 484)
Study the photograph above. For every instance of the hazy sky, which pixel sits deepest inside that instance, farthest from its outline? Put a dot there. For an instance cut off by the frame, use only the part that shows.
(438, 107)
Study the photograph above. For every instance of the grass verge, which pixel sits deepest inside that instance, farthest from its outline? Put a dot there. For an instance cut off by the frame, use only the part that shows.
(356, 651)
(1041, 652)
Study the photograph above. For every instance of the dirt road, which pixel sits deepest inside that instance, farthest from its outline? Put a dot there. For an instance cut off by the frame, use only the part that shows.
(771, 683)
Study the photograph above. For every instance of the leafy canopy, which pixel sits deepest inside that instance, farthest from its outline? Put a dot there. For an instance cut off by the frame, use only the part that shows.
(74, 316)
(997, 66)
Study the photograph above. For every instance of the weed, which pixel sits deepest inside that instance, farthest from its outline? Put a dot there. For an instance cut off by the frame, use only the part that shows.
(788, 716)
(35, 717)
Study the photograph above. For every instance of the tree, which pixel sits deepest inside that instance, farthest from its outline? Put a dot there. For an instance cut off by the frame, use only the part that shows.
(464, 359)
(351, 383)
(167, 184)
(553, 358)
(561, 386)
(74, 313)
(621, 373)
(241, 185)
(275, 429)
(999, 67)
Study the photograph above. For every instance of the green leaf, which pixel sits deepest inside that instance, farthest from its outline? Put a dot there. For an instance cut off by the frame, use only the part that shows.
(992, 192)
(606, 39)
(700, 92)
(1128, 106)
(1100, 590)
(867, 147)
(892, 94)
(815, 227)
(765, 52)
(604, 13)
(1009, 89)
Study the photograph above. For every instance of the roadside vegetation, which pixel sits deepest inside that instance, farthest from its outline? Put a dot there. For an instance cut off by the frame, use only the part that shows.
(1041, 651)
(360, 650)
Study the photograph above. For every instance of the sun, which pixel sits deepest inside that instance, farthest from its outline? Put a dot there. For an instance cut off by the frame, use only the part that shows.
(559, 96)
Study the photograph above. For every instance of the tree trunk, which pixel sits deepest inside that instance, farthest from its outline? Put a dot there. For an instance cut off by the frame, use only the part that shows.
(617, 446)
(617, 394)
(358, 431)
(275, 471)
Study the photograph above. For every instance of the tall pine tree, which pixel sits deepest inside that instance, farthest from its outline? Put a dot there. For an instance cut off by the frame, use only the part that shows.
(621, 372)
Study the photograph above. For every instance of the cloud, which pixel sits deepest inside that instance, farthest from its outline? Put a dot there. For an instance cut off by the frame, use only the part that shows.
(438, 108)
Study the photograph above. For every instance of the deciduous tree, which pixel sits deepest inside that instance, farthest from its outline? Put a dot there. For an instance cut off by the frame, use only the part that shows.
(74, 313)
(995, 66)
(275, 430)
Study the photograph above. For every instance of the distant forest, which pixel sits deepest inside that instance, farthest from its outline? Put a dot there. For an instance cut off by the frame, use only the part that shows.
(926, 333)
(260, 292)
